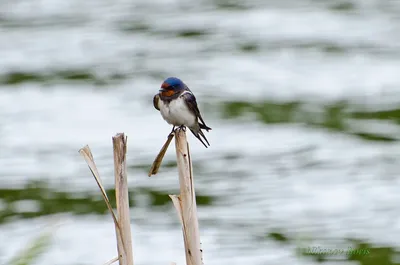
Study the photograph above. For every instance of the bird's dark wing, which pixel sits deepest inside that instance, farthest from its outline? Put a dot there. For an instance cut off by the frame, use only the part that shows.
(190, 100)
(156, 99)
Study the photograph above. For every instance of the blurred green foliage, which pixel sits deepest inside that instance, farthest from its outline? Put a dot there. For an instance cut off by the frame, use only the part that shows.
(30, 254)
(50, 201)
(336, 116)
(59, 76)
(191, 33)
(342, 6)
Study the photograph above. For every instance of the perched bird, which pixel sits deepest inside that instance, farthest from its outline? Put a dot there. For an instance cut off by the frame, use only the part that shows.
(178, 107)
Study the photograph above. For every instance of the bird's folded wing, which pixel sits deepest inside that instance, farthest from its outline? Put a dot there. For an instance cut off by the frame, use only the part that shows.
(156, 99)
(191, 102)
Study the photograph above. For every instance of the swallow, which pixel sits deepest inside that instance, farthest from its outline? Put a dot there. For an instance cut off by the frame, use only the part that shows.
(178, 107)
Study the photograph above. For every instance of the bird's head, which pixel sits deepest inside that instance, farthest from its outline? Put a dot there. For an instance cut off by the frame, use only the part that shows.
(171, 86)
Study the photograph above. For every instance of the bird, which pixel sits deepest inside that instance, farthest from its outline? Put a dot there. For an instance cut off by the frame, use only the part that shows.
(178, 107)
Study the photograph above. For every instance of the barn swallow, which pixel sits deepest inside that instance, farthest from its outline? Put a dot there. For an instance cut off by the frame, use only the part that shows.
(178, 107)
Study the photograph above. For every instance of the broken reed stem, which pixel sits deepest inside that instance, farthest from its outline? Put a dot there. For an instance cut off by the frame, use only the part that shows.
(111, 261)
(87, 155)
(124, 239)
(157, 162)
(185, 203)
(122, 222)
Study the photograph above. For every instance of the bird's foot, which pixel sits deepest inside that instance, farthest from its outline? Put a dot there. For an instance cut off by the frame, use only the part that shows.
(182, 127)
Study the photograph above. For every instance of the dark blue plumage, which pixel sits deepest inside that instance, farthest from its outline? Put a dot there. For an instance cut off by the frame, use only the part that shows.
(175, 82)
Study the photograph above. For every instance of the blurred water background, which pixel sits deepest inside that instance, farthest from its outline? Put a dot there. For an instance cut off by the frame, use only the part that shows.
(303, 97)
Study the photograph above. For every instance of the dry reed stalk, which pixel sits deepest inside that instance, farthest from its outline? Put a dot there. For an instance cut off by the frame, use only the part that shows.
(121, 192)
(157, 162)
(122, 224)
(111, 261)
(185, 203)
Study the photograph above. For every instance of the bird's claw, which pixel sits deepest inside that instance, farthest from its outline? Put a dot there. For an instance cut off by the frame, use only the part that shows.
(181, 127)
(176, 129)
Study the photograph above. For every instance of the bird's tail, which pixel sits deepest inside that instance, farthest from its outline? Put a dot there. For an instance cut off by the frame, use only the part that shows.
(204, 127)
(197, 133)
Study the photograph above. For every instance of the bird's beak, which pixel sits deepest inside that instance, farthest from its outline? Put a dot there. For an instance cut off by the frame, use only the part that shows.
(164, 87)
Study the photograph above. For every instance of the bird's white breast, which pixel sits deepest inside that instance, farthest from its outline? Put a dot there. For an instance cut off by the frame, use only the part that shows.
(177, 113)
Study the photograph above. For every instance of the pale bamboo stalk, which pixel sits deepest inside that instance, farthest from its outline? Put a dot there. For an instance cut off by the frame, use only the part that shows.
(185, 203)
(124, 239)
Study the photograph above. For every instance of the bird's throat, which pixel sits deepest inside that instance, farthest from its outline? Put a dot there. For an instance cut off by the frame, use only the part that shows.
(168, 93)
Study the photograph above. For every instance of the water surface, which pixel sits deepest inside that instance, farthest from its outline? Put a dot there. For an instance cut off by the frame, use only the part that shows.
(302, 96)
